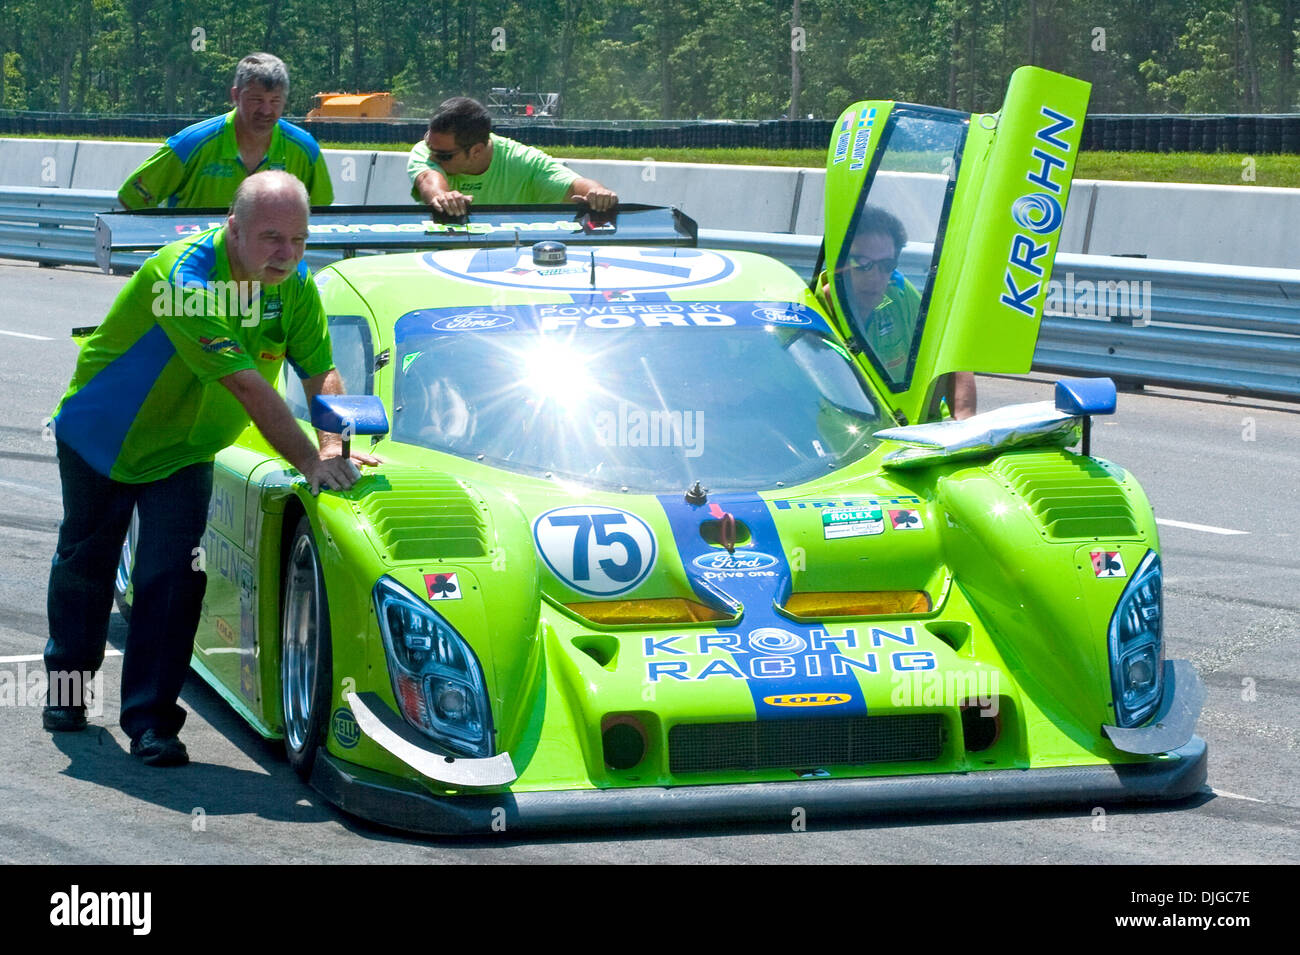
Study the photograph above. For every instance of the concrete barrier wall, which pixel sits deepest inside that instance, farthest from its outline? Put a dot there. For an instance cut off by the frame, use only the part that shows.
(1074, 230)
(1231, 225)
(350, 174)
(1235, 225)
(389, 185)
(103, 165)
(753, 198)
(38, 163)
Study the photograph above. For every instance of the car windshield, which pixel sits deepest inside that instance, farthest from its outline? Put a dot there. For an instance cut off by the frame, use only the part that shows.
(647, 409)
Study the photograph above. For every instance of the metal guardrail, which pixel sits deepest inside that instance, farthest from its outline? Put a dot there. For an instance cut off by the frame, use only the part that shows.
(1225, 329)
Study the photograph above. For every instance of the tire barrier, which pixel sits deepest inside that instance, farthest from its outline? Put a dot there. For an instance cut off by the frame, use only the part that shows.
(1154, 133)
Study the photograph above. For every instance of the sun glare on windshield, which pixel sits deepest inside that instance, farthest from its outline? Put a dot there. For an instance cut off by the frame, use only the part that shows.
(555, 371)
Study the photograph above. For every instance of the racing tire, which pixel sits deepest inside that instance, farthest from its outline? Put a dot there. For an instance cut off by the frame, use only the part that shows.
(125, 564)
(306, 679)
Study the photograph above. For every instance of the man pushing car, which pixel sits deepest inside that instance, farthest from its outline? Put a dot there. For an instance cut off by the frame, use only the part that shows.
(460, 161)
(158, 390)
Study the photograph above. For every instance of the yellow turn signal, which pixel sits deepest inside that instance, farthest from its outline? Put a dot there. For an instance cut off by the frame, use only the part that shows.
(659, 610)
(858, 603)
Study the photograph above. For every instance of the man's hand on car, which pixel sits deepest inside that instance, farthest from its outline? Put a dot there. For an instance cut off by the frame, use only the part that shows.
(331, 478)
(451, 203)
(598, 199)
(332, 473)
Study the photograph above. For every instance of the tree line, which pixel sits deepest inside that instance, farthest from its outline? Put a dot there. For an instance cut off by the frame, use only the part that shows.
(652, 59)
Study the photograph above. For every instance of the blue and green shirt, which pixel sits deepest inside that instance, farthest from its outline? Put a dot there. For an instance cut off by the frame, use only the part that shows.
(146, 398)
(200, 167)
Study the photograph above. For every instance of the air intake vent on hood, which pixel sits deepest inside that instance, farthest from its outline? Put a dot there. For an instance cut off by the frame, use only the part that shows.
(423, 516)
(1072, 498)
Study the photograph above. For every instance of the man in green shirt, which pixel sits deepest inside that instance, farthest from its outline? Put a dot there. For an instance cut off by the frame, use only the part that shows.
(201, 166)
(186, 356)
(460, 161)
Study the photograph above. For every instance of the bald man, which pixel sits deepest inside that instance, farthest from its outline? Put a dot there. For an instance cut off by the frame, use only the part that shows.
(187, 355)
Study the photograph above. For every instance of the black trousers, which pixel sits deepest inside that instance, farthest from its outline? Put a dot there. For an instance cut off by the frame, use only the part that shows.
(169, 587)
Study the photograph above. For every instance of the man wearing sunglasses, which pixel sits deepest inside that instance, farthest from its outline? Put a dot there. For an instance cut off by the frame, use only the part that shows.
(884, 305)
(461, 161)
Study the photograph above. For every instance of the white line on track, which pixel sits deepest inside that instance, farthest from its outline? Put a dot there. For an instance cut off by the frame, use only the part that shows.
(38, 657)
(39, 338)
(1220, 792)
(1206, 528)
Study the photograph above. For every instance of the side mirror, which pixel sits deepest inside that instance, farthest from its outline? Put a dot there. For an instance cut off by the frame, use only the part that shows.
(1085, 397)
(349, 415)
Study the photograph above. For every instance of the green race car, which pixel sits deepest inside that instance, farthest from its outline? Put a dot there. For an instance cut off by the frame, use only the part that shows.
(665, 535)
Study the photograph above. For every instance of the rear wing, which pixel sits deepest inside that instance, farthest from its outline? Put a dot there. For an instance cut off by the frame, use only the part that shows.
(351, 229)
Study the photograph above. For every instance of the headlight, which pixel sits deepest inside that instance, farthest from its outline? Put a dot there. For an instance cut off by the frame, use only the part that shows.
(436, 677)
(1137, 653)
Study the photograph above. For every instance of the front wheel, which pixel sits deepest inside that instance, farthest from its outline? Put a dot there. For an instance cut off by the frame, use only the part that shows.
(305, 652)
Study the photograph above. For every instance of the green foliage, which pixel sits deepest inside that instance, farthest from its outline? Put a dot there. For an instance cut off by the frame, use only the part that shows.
(15, 93)
(651, 59)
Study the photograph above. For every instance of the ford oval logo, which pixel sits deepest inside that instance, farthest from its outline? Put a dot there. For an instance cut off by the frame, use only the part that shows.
(472, 322)
(741, 560)
(781, 316)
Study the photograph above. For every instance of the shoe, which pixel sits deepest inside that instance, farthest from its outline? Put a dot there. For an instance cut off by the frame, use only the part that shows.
(158, 750)
(64, 719)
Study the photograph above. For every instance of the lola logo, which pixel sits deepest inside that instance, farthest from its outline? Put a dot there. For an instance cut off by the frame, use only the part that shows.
(807, 699)
(472, 321)
(720, 560)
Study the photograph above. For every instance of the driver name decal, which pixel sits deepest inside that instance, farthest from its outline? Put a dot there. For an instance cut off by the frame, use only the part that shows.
(861, 137)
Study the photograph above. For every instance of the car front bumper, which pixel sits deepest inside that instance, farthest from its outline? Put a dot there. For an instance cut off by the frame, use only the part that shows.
(401, 804)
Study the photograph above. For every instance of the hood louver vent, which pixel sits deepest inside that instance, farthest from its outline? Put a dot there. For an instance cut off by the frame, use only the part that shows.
(423, 516)
(1072, 499)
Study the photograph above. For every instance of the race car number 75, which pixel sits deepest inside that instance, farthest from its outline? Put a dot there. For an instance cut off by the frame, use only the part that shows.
(595, 550)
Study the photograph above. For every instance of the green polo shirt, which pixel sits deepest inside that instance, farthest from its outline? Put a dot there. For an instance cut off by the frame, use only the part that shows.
(146, 397)
(199, 167)
(518, 174)
(887, 332)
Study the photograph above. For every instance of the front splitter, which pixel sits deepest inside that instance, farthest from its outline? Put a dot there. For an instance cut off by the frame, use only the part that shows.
(395, 802)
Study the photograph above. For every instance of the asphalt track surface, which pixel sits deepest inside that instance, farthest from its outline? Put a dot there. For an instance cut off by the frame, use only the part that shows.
(1232, 606)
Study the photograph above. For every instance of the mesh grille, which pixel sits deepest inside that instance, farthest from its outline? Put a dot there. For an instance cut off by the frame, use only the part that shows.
(423, 516)
(1071, 498)
(799, 744)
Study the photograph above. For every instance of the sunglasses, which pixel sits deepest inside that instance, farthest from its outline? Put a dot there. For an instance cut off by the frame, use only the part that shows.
(855, 263)
(441, 156)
